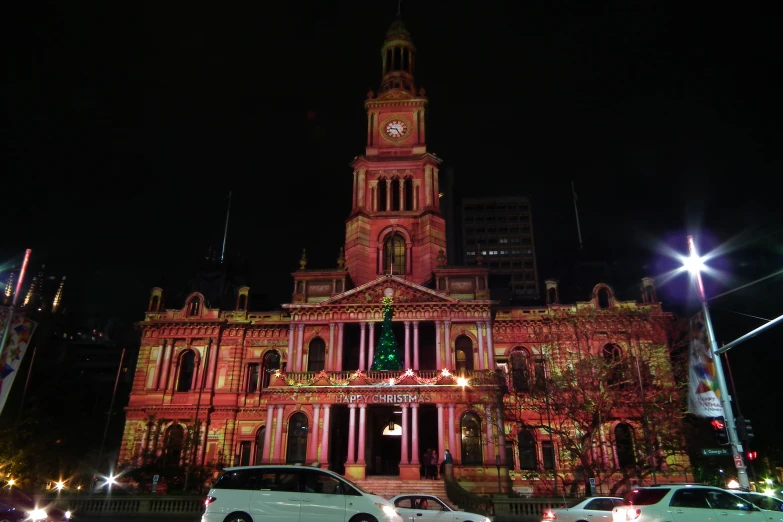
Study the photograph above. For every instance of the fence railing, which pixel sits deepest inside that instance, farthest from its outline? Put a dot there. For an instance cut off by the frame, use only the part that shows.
(140, 506)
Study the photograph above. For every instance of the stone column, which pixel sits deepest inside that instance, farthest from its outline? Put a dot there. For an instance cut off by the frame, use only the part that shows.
(312, 450)
(339, 362)
(438, 356)
(502, 436)
(480, 337)
(362, 330)
(266, 458)
(228, 442)
(300, 349)
(324, 457)
(449, 358)
(212, 373)
(371, 354)
(490, 437)
(407, 345)
(414, 433)
(164, 384)
(452, 432)
(405, 458)
(490, 346)
(402, 194)
(278, 436)
(330, 356)
(355, 191)
(352, 434)
(159, 366)
(291, 353)
(362, 431)
(416, 345)
(441, 449)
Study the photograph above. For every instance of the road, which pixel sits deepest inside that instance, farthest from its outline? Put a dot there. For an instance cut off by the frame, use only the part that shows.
(115, 518)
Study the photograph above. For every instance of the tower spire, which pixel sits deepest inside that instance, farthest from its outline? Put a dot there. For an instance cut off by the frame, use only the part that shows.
(398, 57)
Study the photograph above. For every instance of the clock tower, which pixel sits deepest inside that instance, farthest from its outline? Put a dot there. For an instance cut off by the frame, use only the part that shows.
(395, 226)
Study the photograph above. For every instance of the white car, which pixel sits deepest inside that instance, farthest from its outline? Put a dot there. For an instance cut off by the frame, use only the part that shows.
(592, 509)
(429, 507)
(688, 503)
(292, 494)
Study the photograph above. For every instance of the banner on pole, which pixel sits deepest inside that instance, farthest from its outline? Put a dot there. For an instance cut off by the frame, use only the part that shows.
(19, 337)
(703, 393)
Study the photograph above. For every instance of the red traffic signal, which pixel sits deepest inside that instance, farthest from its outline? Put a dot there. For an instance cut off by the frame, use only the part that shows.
(718, 423)
(751, 455)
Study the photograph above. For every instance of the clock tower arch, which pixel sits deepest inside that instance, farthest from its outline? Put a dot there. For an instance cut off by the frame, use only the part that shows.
(395, 226)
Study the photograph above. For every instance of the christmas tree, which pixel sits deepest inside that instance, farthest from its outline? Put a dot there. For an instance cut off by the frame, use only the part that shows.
(387, 357)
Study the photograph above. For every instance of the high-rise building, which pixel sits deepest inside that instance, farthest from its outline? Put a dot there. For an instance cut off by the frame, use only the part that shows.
(498, 233)
(221, 384)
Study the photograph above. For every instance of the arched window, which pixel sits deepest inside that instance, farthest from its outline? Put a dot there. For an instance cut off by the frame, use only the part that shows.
(603, 298)
(242, 302)
(260, 444)
(154, 304)
(552, 296)
(613, 356)
(527, 450)
(193, 307)
(394, 254)
(396, 194)
(463, 348)
(271, 365)
(382, 195)
(187, 365)
(316, 355)
(253, 371)
(297, 439)
(408, 194)
(623, 442)
(172, 448)
(470, 425)
(520, 369)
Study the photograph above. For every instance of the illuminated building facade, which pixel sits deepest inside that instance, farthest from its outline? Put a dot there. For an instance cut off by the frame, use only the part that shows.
(297, 385)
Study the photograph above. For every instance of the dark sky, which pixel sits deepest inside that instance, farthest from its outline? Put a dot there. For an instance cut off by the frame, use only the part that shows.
(129, 124)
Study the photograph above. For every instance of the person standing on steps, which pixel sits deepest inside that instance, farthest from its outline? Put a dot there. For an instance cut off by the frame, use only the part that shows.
(434, 464)
(447, 459)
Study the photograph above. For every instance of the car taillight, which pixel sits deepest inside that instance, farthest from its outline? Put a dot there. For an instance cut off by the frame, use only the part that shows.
(209, 500)
(549, 515)
(632, 513)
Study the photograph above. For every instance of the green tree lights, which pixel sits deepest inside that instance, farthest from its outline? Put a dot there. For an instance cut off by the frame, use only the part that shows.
(388, 356)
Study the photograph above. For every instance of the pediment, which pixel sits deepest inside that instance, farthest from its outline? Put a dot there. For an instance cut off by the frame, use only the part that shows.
(401, 291)
(395, 95)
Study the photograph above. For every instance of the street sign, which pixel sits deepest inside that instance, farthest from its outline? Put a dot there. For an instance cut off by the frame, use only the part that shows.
(716, 452)
(592, 481)
(155, 479)
(738, 461)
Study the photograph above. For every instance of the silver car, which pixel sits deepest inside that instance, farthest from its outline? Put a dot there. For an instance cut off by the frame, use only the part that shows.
(430, 508)
(592, 509)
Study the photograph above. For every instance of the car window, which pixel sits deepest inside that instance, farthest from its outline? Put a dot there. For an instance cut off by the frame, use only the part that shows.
(600, 504)
(727, 501)
(239, 479)
(404, 502)
(320, 482)
(617, 502)
(645, 497)
(765, 502)
(689, 498)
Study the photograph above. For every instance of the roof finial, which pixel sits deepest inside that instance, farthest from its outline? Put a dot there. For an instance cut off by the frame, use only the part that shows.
(399, 5)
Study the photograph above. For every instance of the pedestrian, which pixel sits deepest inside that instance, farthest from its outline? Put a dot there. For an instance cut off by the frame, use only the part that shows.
(426, 463)
(434, 464)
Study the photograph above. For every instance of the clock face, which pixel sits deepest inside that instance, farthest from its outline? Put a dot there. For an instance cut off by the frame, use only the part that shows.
(396, 129)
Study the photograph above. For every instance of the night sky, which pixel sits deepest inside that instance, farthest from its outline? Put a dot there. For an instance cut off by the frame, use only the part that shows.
(128, 126)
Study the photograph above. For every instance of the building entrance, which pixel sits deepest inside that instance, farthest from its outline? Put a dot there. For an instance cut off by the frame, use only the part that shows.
(384, 434)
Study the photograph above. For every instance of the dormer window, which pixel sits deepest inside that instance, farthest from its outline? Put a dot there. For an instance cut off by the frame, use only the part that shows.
(194, 307)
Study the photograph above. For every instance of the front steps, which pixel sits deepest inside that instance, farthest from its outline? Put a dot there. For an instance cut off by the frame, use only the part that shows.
(390, 486)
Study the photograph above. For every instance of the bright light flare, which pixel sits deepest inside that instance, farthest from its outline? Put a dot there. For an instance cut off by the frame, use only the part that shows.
(693, 264)
(60, 485)
(462, 381)
(111, 480)
(11, 482)
(733, 484)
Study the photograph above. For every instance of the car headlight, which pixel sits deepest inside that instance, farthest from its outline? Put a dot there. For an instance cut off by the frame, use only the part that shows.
(68, 515)
(37, 514)
(389, 511)
(486, 520)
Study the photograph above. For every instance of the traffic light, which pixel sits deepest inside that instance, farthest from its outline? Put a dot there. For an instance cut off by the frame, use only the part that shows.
(721, 430)
(751, 455)
(744, 430)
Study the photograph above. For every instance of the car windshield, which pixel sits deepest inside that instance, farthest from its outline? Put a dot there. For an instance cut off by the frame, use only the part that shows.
(357, 486)
(572, 503)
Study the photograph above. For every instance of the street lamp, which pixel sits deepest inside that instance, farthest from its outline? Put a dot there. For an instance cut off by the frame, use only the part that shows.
(694, 264)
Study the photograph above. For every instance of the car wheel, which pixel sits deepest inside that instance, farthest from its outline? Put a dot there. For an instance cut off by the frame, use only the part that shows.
(363, 517)
(238, 517)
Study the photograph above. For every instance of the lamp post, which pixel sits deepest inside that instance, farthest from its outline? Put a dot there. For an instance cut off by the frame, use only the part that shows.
(736, 446)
